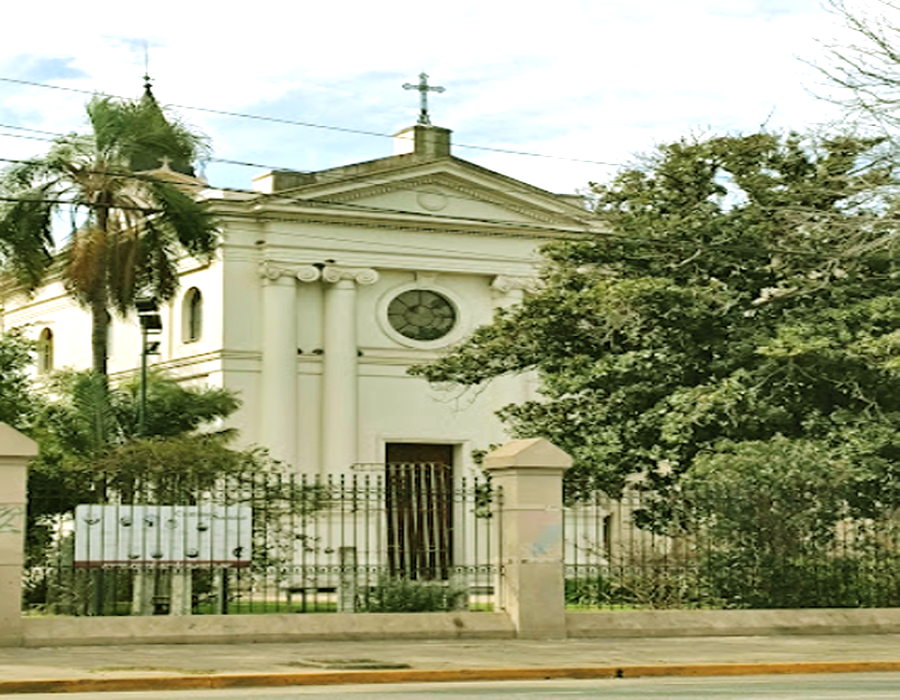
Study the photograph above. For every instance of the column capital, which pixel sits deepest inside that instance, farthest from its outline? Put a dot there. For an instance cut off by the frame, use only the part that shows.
(508, 283)
(359, 275)
(272, 272)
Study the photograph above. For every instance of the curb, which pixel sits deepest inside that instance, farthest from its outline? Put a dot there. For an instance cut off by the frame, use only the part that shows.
(260, 680)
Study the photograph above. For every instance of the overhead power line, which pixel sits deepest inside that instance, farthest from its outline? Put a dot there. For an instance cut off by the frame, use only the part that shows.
(558, 232)
(322, 177)
(310, 125)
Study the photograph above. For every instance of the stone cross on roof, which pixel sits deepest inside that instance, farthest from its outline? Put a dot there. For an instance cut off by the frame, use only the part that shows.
(424, 88)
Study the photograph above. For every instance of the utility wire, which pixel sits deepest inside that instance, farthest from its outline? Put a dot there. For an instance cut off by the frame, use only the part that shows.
(280, 197)
(556, 230)
(293, 122)
(558, 233)
(322, 176)
(360, 207)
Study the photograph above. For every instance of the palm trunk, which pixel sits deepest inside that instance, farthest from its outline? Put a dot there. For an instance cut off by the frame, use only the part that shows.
(100, 296)
(99, 304)
(99, 334)
(99, 349)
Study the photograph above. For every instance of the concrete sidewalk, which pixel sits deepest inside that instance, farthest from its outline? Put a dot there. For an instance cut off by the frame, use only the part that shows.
(175, 666)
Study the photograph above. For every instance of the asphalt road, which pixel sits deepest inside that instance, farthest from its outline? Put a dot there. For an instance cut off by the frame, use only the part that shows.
(851, 686)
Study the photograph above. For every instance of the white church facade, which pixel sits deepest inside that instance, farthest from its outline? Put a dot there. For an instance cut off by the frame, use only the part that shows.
(326, 288)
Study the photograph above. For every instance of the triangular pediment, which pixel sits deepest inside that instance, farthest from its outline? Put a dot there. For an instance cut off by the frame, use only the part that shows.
(448, 189)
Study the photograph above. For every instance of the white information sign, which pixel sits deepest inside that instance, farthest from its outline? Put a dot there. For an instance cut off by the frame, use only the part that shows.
(122, 535)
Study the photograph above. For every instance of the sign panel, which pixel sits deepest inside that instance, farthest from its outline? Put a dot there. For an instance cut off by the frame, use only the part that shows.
(139, 535)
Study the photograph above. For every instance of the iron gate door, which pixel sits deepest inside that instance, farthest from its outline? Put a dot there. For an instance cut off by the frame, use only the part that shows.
(419, 505)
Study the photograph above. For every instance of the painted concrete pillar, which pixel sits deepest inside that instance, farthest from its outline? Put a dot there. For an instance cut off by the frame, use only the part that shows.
(15, 451)
(278, 397)
(339, 371)
(532, 588)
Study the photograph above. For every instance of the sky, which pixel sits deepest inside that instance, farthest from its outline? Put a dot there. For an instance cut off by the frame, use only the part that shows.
(585, 84)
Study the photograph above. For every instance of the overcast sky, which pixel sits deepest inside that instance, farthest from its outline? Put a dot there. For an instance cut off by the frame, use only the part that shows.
(589, 80)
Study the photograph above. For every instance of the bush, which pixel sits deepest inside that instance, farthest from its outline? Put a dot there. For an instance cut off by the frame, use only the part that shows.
(400, 594)
(653, 586)
(742, 580)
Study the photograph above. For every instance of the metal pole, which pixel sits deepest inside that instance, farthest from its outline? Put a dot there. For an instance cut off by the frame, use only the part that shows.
(142, 406)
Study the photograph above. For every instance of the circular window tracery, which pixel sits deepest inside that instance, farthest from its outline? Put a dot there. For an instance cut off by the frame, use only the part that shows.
(421, 314)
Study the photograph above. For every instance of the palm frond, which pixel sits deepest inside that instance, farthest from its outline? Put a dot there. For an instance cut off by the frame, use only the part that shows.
(194, 226)
(140, 134)
(93, 411)
(128, 230)
(85, 262)
(26, 239)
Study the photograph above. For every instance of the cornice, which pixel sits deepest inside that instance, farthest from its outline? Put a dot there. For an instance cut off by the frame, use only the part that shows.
(391, 221)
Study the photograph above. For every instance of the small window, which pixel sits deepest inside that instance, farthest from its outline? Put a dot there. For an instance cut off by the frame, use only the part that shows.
(192, 316)
(45, 352)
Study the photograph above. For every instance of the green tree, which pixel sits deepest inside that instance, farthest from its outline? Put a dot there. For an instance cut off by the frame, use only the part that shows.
(17, 398)
(746, 289)
(127, 228)
(89, 442)
(776, 525)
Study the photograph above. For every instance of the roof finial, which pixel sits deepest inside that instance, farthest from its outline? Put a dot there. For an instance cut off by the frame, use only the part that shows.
(148, 92)
(424, 88)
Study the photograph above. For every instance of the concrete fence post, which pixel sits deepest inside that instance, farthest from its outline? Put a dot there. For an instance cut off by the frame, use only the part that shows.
(15, 451)
(533, 584)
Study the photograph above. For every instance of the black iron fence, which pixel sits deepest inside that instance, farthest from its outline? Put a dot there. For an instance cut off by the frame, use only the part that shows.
(727, 549)
(387, 538)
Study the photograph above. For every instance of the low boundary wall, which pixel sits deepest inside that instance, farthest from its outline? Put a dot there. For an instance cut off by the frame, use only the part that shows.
(531, 587)
(732, 623)
(225, 629)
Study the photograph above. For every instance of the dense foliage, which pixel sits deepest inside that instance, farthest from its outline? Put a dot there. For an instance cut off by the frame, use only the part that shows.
(89, 444)
(746, 289)
(17, 403)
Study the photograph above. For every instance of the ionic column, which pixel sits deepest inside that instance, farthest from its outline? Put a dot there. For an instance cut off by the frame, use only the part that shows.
(278, 399)
(339, 371)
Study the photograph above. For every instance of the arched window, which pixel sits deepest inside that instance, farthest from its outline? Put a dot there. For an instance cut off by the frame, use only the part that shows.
(45, 351)
(192, 316)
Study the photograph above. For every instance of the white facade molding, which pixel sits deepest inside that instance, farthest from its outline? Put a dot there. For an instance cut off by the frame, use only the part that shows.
(359, 275)
(426, 279)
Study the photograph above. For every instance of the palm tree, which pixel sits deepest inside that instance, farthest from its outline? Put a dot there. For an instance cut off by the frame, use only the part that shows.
(129, 221)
